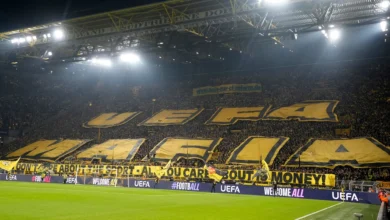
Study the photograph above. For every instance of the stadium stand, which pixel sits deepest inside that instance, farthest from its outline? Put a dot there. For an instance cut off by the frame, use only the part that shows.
(55, 107)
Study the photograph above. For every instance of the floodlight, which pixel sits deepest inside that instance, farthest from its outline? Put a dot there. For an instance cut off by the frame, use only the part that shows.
(48, 35)
(58, 34)
(319, 27)
(334, 34)
(105, 62)
(383, 25)
(34, 37)
(14, 41)
(22, 40)
(331, 25)
(129, 58)
(276, 2)
(50, 53)
(384, 4)
(102, 62)
(28, 39)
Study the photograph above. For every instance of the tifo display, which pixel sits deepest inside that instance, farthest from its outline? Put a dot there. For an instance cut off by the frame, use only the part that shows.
(357, 152)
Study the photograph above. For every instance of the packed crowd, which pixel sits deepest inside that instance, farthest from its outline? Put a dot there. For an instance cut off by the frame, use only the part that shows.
(56, 107)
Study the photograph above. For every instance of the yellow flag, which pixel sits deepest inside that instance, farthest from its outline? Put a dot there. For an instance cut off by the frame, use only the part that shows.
(215, 173)
(264, 165)
(163, 171)
(263, 171)
(8, 165)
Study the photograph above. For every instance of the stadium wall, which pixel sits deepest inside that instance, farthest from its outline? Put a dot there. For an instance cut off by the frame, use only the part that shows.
(302, 193)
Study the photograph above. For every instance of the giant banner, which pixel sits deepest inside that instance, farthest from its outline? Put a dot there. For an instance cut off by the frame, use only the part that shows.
(228, 88)
(47, 150)
(191, 173)
(253, 148)
(312, 110)
(114, 149)
(176, 148)
(171, 117)
(229, 116)
(356, 152)
(112, 119)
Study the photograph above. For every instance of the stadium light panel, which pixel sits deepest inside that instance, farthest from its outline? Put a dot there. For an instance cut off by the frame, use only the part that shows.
(130, 58)
(331, 25)
(58, 34)
(334, 35)
(384, 5)
(50, 53)
(34, 37)
(383, 25)
(28, 39)
(22, 40)
(14, 41)
(48, 35)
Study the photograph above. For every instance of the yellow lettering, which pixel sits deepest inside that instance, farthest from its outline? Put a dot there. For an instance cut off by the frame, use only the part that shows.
(107, 120)
(253, 148)
(171, 117)
(176, 148)
(116, 149)
(228, 116)
(357, 152)
(306, 111)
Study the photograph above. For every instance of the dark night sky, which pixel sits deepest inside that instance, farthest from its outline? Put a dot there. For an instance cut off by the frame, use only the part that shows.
(16, 14)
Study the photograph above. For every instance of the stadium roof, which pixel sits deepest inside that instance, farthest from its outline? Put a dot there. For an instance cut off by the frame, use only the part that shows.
(189, 27)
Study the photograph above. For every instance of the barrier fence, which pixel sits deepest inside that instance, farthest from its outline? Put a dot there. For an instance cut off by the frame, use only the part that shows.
(302, 193)
(382, 214)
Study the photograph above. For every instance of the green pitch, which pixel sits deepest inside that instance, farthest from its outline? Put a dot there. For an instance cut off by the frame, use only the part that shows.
(56, 201)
